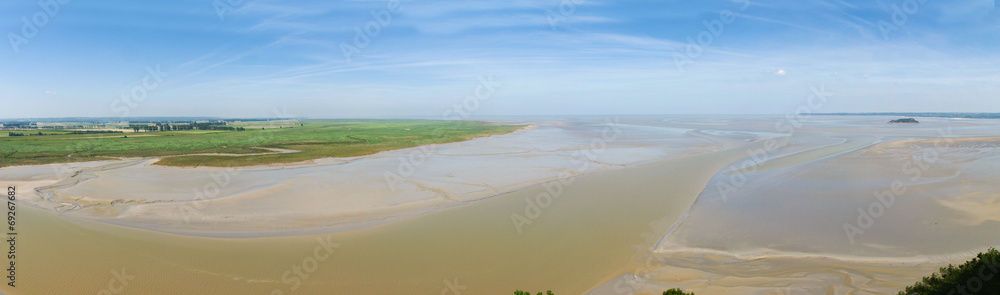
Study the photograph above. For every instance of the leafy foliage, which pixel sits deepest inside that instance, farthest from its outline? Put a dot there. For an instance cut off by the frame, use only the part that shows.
(667, 292)
(981, 275)
(676, 292)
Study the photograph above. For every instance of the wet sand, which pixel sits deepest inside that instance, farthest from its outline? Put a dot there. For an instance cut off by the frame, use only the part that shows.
(791, 224)
(478, 245)
(338, 194)
(641, 216)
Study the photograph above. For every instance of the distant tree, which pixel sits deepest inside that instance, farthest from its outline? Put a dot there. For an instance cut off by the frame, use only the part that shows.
(905, 121)
(519, 292)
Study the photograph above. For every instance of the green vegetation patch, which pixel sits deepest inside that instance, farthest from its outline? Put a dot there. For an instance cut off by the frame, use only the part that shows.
(314, 139)
(667, 292)
(981, 275)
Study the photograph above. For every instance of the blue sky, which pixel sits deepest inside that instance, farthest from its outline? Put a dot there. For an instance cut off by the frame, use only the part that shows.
(250, 58)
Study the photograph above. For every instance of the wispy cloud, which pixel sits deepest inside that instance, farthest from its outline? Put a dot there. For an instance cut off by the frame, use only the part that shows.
(604, 54)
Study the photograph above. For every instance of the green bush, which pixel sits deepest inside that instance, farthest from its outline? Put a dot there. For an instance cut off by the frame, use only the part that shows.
(676, 292)
(981, 275)
(667, 292)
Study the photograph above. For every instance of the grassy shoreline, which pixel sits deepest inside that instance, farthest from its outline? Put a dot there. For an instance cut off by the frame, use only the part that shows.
(313, 140)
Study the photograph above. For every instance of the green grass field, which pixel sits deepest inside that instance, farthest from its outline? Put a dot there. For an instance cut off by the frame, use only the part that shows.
(315, 139)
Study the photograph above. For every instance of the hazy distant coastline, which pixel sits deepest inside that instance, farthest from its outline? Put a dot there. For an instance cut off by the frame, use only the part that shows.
(923, 115)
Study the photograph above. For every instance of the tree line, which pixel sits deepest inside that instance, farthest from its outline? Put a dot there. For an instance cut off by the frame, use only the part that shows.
(198, 126)
(981, 275)
(71, 132)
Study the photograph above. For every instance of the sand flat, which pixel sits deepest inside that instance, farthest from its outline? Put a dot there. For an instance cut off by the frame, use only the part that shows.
(335, 194)
(649, 194)
(477, 244)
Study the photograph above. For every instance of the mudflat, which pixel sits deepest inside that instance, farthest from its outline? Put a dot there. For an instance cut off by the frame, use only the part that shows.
(635, 205)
